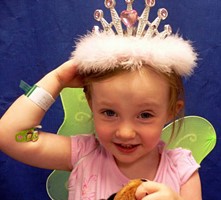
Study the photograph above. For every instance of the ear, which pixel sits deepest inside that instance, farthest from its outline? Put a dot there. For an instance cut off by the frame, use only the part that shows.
(179, 106)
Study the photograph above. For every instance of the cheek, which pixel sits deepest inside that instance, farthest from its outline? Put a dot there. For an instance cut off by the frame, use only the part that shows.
(102, 130)
(152, 134)
(150, 142)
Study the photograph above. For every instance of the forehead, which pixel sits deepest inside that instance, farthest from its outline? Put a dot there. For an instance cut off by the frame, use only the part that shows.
(138, 85)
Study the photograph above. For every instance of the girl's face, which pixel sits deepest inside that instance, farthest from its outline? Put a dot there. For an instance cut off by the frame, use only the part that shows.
(129, 113)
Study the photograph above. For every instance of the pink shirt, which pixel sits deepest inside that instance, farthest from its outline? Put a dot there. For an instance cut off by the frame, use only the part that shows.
(95, 174)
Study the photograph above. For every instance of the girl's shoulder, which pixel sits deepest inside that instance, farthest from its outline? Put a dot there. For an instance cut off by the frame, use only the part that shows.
(84, 142)
(181, 157)
(180, 160)
(82, 145)
(178, 156)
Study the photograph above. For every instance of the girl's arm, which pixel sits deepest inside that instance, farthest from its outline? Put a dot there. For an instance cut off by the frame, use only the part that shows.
(152, 190)
(192, 188)
(50, 151)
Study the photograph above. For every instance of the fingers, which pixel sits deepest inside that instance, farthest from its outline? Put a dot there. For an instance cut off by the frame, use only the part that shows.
(67, 67)
(68, 76)
(143, 190)
(151, 190)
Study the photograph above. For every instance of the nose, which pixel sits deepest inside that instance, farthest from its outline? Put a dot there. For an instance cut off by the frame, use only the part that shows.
(125, 132)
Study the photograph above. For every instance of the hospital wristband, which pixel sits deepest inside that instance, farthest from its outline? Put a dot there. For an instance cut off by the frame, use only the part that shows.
(40, 97)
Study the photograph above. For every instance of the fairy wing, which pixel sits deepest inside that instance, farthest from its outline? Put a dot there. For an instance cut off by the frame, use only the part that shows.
(195, 133)
(77, 114)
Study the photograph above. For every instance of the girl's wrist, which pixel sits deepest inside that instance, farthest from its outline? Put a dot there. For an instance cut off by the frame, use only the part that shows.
(51, 84)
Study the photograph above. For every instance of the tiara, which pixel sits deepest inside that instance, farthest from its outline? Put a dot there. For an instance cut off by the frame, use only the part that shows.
(129, 17)
(130, 41)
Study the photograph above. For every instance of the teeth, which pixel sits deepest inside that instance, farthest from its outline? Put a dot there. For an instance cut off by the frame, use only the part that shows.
(128, 146)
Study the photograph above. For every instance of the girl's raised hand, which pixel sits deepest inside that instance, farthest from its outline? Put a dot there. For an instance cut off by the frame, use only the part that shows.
(67, 75)
(155, 191)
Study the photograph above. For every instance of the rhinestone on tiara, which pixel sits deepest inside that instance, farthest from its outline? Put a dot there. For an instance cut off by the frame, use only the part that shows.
(138, 26)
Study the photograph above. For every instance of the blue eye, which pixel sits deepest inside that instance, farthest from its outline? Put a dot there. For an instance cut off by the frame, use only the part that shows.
(145, 115)
(109, 113)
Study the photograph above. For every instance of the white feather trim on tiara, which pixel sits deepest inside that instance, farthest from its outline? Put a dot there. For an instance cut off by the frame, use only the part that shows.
(108, 49)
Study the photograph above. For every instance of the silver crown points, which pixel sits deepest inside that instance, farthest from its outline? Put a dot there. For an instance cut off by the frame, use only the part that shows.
(130, 18)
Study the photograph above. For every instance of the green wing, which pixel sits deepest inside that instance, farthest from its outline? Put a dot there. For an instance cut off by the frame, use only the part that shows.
(77, 114)
(196, 134)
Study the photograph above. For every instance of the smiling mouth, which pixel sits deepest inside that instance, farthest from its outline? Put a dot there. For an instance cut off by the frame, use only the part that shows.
(127, 148)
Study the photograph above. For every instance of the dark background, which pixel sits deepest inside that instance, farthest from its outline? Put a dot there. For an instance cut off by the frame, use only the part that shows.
(38, 35)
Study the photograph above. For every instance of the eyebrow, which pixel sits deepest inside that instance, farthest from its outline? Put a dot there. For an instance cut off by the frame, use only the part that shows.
(106, 104)
(150, 103)
(145, 104)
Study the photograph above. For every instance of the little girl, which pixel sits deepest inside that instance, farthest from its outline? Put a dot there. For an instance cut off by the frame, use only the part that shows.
(133, 87)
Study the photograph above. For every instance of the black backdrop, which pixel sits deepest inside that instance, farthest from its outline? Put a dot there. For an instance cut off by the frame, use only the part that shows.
(38, 35)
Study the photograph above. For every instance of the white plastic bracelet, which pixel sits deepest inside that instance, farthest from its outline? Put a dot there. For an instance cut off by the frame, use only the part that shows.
(40, 97)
